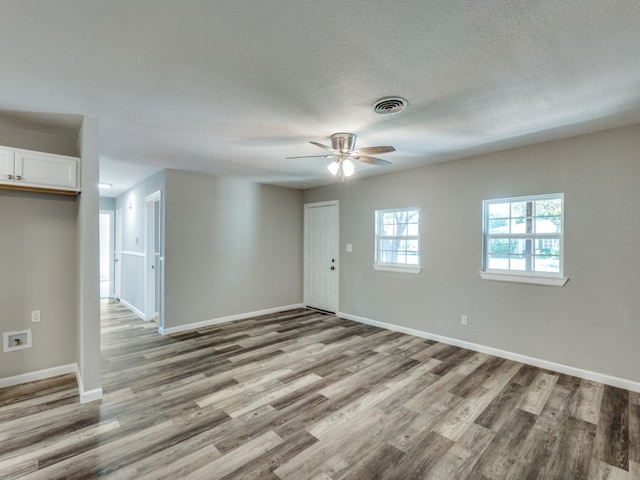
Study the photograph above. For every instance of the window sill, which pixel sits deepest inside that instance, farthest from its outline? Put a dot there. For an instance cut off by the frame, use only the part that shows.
(529, 279)
(397, 269)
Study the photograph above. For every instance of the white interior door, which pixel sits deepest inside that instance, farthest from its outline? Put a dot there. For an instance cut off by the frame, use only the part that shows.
(321, 256)
(117, 256)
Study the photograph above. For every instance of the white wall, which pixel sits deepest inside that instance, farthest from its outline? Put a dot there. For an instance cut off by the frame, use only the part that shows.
(592, 323)
(232, 247)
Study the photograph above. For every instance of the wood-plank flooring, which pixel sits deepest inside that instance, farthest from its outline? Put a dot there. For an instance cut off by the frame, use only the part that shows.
(305, 395)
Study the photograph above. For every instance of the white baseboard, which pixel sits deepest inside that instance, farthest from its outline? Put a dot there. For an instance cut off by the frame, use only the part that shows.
(132, 308)
(230, 318)
(38, 375)
(87, 396)
(536, 362)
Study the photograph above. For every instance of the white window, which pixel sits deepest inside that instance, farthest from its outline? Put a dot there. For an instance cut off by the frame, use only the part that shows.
(398, 240)
(523, 239)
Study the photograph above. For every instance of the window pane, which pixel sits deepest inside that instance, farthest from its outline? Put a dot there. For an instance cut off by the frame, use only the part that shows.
(550, 263)
(499, 246)
(520, 262)
(519, 225)
(548, 225)
(498, 261)
(518, 209)
(387, 244)
(548, 246)
(498, 226)
(387, 230)
(400, 230)
(548, 208)
(413, 258)
(413, 216)
(498, 210)
(400, 216)
(387, 256)
(413, 230)
(520, 246)
(412, 245)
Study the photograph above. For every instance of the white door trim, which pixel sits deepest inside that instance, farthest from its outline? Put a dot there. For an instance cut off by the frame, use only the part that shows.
(117, 256)
(149, 255)
(307, 206)
(112, 239)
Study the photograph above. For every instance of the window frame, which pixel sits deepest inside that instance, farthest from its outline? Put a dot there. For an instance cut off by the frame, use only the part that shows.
(523, 276)
(378, 237)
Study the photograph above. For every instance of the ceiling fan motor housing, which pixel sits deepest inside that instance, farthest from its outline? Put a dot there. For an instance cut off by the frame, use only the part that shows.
(343, 142)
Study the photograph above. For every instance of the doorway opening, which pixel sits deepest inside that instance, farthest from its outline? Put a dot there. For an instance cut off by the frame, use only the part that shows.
(106, 254)
(153, 259)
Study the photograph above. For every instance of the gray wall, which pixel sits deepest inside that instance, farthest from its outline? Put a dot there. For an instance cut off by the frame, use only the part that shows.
(592, 323)
(88, 274)
(38, 272)
(40, 259)
(107, 203)
(232, 247)
(132, 204)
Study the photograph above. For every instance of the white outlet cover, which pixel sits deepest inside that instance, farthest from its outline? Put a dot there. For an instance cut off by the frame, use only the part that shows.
(35, 316)
(349, 247)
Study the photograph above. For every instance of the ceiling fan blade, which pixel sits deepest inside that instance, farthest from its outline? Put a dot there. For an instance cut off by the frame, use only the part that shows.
(326, 147)
(374, 150)
(371, 160)
(311, 156)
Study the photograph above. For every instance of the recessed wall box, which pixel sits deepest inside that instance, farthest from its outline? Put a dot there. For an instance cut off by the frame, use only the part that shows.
(16, 340)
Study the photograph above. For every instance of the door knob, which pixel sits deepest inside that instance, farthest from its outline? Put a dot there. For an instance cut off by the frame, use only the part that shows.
(332, 267)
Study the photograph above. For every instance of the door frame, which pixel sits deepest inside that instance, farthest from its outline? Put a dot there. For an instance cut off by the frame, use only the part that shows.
(307, 206)
(150, 202)
(111, 248)
(117, 255)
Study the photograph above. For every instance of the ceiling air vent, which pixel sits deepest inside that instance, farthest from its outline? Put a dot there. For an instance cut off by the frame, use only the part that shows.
(389, 105)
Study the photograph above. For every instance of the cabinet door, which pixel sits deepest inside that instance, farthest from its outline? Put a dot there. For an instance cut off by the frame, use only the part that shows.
(45, 170)
(7, 165)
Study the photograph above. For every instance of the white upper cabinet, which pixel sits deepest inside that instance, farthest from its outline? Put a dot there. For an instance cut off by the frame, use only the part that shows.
(24, 169)
(7, 164)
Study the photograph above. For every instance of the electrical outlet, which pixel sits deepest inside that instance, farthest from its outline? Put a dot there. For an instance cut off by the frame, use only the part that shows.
(463, 320)
(35, 316)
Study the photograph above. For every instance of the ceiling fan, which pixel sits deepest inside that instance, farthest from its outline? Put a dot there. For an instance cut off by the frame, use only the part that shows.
(343, 150)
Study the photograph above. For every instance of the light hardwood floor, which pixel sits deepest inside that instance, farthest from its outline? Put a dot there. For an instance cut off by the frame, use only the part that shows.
(304, 395)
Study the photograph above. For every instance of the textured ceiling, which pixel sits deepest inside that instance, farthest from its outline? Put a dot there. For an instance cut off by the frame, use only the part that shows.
(233, 87)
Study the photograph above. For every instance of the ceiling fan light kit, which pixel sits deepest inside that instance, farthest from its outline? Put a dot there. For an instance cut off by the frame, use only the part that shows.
(343, 150)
